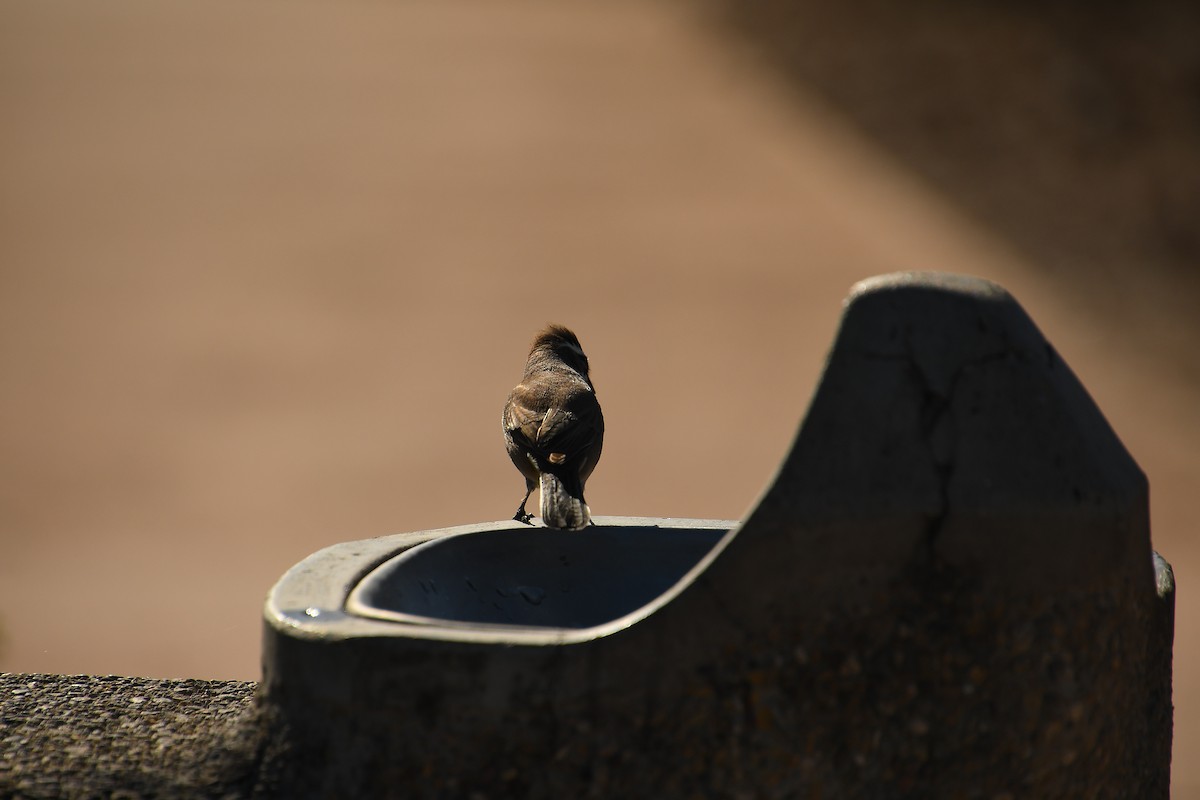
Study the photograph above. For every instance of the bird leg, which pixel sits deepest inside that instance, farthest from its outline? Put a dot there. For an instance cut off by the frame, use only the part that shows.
(522, 515)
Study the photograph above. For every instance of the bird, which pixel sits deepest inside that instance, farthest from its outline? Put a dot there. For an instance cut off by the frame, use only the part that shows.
(554, 429)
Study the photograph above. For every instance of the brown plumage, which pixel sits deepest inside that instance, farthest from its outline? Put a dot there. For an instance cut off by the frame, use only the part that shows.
(554, 429)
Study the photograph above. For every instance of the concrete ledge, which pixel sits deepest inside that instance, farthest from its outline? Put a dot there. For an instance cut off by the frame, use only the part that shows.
(86, 736)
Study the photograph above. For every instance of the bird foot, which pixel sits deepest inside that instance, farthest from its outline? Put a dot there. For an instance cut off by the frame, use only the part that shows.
(523, 517)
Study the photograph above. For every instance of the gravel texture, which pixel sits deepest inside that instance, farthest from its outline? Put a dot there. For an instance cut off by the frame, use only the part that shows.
(75, 736)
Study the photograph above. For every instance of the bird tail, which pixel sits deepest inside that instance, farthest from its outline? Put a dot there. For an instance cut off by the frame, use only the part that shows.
(561, 507)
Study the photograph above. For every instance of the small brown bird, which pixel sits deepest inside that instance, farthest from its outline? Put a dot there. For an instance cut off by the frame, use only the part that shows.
(554, 430)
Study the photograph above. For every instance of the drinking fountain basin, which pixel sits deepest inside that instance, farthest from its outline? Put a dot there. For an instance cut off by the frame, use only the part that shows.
(532, 576)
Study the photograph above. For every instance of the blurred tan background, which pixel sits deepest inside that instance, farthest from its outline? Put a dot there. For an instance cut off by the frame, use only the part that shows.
(268, 270)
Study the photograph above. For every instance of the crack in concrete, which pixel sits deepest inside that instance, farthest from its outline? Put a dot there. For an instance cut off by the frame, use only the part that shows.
(939, 428)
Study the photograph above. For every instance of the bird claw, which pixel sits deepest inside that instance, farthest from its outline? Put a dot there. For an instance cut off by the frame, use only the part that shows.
(523, 517)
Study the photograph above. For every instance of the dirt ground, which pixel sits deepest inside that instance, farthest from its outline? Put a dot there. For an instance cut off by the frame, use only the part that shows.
(268, 270)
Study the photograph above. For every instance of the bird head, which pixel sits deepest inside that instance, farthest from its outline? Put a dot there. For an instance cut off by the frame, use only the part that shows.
(564, 344)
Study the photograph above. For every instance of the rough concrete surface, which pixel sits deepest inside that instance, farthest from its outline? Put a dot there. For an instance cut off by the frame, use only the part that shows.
(80, 736)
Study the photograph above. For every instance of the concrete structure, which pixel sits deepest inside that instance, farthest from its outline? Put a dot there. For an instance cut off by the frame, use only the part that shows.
(948, 589)
(948, 586)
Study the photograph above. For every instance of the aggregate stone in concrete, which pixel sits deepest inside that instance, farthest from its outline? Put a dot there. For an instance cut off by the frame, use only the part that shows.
(80, 736)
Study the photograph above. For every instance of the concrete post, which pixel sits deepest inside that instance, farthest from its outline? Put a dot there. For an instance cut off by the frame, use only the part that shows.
(948, 589)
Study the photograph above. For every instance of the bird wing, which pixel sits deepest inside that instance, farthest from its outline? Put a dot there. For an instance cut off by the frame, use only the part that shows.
(570, 430)
(548, 426)
(523, 413)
